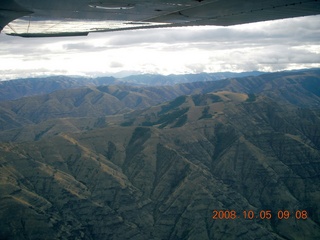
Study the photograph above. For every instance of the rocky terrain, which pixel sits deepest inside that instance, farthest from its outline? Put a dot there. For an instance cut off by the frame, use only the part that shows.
(121, 162)
(10, 90)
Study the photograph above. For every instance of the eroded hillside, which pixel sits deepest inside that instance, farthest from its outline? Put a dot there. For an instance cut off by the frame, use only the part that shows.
(159, 172)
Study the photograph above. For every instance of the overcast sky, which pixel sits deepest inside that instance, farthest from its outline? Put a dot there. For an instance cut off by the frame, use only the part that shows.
(267, 46)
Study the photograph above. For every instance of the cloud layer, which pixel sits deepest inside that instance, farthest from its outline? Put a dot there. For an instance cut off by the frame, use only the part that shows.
(267, 46)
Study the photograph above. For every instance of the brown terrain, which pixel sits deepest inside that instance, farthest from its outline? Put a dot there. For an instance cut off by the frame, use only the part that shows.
(123, 162)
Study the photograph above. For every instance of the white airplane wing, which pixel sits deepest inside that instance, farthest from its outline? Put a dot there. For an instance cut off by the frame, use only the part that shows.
(44, 18)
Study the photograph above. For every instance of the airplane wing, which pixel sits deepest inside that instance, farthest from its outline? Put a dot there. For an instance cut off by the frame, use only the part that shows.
(44, 18)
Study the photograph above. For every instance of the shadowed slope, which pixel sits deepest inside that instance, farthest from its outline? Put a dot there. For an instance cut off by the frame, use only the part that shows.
(163, 181)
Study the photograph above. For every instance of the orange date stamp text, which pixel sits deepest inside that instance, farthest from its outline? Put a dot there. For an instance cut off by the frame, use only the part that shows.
(262, 214)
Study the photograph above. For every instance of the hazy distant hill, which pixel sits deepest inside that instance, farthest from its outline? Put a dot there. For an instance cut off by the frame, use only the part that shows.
(18, 88)
(123, 162)
(297, 88)
(160, 80)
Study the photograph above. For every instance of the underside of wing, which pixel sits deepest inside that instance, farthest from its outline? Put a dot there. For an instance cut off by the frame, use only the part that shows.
(233, 12)
(42, 18)
(29, 27)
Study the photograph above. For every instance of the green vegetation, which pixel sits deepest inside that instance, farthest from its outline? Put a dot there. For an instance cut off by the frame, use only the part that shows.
(127, 123)
(171, 117)
(174, 104)
(312, 84)
(147, 123)
(200, 99)
(251, 97)
(140, 133)
(205, 113)
(100, 123)
(181, 121)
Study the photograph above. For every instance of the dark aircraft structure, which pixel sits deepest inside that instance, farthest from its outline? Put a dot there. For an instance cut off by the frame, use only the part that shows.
(44, 18)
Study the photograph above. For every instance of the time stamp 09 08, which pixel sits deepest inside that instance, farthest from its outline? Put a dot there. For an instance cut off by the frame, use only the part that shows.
(262, 214)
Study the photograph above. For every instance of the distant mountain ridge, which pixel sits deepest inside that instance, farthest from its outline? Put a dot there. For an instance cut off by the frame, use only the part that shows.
(18, 88)
(297, 88)
(172, 79)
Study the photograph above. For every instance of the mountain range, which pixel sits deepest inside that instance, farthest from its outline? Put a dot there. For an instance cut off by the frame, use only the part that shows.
(156, 162)
(14, 89)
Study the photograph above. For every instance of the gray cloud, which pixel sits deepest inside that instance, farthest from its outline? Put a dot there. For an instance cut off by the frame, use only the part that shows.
(271, 45)
(78, 46)
(293, 30)
(116, 65)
